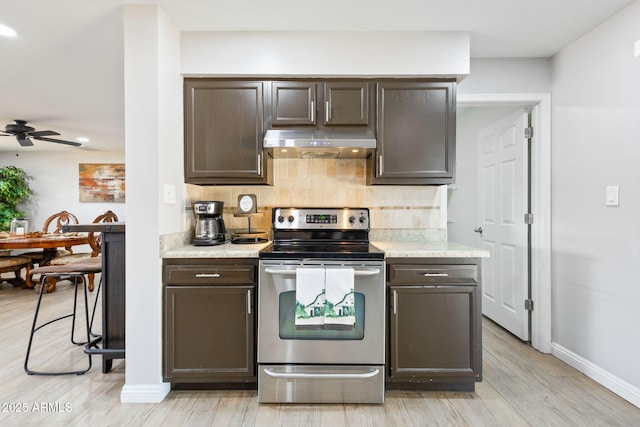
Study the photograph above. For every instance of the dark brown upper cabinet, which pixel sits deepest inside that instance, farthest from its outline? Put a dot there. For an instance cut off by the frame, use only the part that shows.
(415, 133)
(224, 128)
(327, 104)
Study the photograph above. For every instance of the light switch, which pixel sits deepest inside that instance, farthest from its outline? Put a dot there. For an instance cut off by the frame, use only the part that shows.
(169, 194)
(613, 192)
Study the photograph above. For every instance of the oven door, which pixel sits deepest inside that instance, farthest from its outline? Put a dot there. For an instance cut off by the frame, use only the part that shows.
(283, 338)
(307, 355)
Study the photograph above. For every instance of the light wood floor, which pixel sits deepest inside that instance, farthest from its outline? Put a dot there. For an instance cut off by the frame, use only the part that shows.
(521, 387)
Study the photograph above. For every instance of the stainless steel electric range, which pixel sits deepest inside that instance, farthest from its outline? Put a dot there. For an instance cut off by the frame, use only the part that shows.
(321, 309)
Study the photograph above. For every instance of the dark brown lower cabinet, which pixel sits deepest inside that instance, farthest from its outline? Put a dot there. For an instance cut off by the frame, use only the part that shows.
(209, 323)
(434, 325)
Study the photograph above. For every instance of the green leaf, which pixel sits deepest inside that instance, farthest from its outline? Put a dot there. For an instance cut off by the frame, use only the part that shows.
(14, 189)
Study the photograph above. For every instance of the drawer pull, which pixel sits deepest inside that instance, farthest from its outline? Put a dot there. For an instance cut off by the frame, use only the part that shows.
(208, 275)
(436, 274)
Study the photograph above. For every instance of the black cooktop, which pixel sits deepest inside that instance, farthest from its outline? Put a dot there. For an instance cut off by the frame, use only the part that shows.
(325, 250)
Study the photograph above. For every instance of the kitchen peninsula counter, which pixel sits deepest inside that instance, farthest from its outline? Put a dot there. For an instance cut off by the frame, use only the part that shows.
(428, 249)
(392, 249)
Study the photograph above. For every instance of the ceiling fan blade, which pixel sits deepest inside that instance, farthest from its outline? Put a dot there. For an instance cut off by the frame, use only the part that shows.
(24, 141)
(59, 141)
(42, 133)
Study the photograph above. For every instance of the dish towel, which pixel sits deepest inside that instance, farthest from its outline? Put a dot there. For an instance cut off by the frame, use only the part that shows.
(339, 289)
(310, 296)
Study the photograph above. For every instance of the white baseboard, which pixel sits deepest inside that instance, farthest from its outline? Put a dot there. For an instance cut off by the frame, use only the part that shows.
(152, 393)
(617, 385)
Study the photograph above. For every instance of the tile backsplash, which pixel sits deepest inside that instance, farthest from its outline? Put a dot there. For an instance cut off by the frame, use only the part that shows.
(415, 211)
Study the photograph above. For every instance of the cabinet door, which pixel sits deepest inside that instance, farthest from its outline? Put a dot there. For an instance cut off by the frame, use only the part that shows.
(432, 333)
(293, 104)
(346, 104)
(223, 132)
(209, 333)
(416, 134)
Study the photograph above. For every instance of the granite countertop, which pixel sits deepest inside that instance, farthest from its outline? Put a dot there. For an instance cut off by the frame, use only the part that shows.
(428, 249)
(227, 250)
(392, 249)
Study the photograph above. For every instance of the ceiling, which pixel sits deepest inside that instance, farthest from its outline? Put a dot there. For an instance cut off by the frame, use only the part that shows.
(63, 71)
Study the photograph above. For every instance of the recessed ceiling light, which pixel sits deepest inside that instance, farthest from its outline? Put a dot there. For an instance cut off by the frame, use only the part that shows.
(82, 139)
(7, 31)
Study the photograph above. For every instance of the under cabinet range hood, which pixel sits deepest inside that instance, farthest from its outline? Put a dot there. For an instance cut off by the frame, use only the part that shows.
(320, 144)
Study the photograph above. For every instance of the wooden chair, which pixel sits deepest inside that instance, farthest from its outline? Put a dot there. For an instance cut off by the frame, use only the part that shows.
(95, 242)
(14, 264)
(57, 220)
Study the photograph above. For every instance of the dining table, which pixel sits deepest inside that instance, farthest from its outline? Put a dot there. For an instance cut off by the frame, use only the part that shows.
(49, 243)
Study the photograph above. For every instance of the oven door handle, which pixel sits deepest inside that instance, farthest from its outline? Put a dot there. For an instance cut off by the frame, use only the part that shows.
(289, 272)
(302, 375)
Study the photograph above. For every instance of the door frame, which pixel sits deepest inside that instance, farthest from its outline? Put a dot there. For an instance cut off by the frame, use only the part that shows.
(540, 249)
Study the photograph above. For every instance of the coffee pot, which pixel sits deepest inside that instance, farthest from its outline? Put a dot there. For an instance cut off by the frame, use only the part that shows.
(210, 229)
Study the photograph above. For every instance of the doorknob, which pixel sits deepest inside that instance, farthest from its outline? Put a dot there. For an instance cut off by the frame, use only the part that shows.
(478, 230)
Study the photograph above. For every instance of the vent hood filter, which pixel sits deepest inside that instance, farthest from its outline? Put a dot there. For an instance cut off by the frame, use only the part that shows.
(320, 144)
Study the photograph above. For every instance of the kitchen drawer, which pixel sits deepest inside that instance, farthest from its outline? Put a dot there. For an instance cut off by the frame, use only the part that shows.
(209, 274)
(433, 274)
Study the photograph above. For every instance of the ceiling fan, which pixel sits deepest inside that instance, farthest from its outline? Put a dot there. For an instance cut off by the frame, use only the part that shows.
(23, 133)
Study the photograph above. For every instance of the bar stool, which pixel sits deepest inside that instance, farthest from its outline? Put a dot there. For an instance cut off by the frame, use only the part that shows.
(76, 271)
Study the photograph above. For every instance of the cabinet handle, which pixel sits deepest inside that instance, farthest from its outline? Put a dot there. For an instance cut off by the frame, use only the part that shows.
(379, 171)
(395, 301)
(436, 275)
(208, 275)
(259, 164)
(248, 301)
(327, 112)
(313, 112)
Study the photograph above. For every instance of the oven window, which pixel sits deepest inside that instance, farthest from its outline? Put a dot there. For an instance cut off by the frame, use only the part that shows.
(288, 330)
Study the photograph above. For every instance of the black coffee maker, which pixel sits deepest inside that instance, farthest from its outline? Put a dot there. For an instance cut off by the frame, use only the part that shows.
(210, 228)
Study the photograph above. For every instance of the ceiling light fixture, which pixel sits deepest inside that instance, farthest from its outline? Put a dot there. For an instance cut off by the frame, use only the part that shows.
(7, 31)
(82, 139)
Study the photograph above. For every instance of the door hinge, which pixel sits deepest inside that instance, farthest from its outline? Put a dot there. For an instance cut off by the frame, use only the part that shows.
(528, 132)
(528, 304)
(528, 218)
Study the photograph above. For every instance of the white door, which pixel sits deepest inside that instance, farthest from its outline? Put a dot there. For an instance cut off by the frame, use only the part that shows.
(503, 187)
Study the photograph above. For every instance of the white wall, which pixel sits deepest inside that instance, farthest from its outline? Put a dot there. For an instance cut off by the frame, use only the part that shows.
(308, 53)
(596, 249)
(153, 129)
(507, 75)
(54, 184)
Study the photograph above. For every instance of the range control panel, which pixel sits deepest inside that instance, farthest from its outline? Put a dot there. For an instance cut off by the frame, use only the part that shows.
(321, 218)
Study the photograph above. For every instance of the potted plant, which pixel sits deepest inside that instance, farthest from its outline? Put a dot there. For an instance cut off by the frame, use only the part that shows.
(14, 189)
